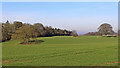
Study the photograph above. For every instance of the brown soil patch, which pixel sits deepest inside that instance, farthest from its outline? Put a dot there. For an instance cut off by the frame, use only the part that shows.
(6, 61)
(105, 63)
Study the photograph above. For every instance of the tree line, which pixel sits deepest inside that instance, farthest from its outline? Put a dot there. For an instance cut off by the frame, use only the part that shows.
(24, 31)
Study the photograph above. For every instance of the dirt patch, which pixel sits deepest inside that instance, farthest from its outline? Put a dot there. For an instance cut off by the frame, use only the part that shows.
(113, 62)
(105, 63)
(6, 61)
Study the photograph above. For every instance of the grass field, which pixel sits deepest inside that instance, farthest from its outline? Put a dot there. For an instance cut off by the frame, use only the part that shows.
(63, 51)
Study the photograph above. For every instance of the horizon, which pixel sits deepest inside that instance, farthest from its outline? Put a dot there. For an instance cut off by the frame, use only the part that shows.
(64, 15)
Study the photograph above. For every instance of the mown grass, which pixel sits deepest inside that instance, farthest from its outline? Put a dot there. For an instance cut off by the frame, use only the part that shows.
(63, 51)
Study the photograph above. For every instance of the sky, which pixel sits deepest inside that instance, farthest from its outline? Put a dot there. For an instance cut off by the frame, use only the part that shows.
(80, 16)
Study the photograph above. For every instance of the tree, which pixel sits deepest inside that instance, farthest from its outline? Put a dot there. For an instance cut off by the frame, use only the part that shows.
(105, 29)
(6, 31)
(18, 30)
(23, 34)
(4, 34)
(92, 34)
(74, 33)
(38, 29)
(49, 31)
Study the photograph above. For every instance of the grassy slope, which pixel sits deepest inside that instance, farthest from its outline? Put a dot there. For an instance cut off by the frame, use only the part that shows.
(62, 51)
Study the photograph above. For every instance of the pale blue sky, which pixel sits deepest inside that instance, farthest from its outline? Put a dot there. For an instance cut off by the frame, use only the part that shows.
(80, 16)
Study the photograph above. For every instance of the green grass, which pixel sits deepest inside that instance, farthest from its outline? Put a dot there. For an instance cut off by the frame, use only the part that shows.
(62, 51)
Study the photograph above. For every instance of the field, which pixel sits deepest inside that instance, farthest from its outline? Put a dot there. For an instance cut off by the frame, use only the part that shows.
(63, 51)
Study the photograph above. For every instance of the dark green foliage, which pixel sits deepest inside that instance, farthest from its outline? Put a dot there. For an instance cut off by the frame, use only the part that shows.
(6, 31)
(17, 24)
(9, 29)
(23, 34)
(25, 31)
(38, 29)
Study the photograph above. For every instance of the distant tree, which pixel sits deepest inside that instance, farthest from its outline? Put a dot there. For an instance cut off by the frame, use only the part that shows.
(49, 31)
(92, 34)
(23, 34)
(74, 33)
(66, 32)
(105, 29)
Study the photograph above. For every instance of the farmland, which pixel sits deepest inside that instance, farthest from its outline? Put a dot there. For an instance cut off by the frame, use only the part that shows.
(62, 51)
